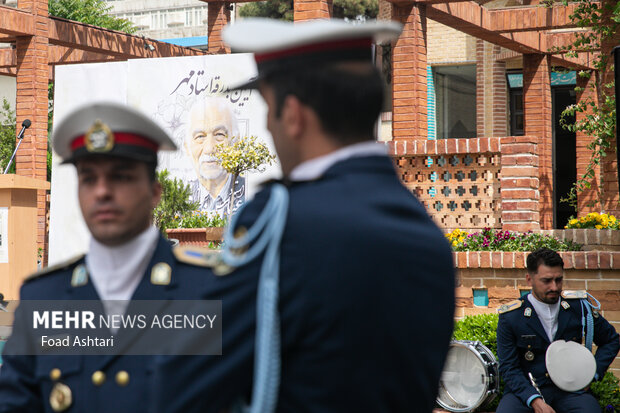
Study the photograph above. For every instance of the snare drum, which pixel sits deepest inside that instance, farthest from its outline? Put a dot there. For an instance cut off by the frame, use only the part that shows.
(470, 377)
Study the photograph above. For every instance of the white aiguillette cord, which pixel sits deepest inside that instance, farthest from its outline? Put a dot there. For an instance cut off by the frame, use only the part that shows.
(264, 235)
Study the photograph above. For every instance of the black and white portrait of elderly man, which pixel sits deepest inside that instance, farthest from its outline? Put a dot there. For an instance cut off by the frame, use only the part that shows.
(212, 122)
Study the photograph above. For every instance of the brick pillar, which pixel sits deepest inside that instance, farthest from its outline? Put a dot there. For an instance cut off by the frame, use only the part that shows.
(609, 164)
(491, 91)
(385, 10)
(312, 9)
(500, 95)
(480, 89)
(539, 123)
(519, 183)
(32, 102)
(409, 112)
(589, 196)
(218, 16)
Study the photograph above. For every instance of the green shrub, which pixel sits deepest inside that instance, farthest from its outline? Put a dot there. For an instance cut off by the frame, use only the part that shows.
(198, 219)
(175, 210)
(607, 393)
(7, 135)
(174, 202)
(482, 328)
(490, 240)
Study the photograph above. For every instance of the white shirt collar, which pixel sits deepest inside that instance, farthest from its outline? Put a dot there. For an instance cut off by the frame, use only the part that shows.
(316, 167)
(117, 271)
(547, 314)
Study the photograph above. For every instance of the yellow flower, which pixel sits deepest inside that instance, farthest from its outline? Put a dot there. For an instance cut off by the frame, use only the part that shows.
(598, 226)
(573, 221)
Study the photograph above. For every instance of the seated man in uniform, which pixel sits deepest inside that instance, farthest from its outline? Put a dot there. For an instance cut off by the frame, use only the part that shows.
(114, 150)
(529, 325)
(361, 316)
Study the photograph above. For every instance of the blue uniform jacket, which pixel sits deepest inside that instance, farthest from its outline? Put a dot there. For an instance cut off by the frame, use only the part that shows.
(25, 382)
(366, 304)
(518, 333)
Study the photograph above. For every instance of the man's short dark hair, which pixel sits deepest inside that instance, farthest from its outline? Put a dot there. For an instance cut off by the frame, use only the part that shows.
(544, 256)
(347, 103)
(151, 168)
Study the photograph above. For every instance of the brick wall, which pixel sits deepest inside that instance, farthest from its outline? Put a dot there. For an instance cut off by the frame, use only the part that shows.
(218, 16)
(473, 183)
(312, 9)
(499, 90)
(502, 275)
(32, 80)
(448, 45)
(539, 122)
(491, 91)
(385, 10)
(409, 111)
(481, 89)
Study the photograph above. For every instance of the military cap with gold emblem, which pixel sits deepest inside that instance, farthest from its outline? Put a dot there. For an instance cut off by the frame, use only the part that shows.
(280, 47)
(109, 129)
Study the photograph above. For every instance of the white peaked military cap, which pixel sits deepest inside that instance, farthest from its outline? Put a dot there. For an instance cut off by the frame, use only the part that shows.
(570, 365)
(281, 47)
(109, 129)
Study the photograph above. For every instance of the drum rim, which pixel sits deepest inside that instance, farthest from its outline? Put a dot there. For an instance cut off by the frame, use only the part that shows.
(472, 345)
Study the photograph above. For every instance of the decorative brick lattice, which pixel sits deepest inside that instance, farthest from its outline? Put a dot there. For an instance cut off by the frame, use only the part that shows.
(458, 190)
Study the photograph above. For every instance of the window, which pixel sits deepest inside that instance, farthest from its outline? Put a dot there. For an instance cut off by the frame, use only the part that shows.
(516, 112)
(481, 297)
(455, 105)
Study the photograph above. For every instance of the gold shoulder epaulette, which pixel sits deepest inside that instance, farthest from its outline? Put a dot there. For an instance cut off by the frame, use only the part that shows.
(574, 294)
(53, 268)
(194, 255)
(513, 305)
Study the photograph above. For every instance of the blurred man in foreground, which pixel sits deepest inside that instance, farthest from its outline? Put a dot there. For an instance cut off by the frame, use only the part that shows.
(355, 283)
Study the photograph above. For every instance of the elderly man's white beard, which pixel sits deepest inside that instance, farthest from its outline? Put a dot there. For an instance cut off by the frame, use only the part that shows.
(212, 173)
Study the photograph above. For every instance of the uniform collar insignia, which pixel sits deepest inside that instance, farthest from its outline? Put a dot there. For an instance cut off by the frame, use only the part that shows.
(565, 305)
(161, 274)
(80, 276)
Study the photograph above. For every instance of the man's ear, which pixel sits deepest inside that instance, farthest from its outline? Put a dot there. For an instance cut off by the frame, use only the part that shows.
(157, 191)
(528, 278)
(293, 117)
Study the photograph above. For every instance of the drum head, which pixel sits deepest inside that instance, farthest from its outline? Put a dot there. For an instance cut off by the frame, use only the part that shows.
(464, 383)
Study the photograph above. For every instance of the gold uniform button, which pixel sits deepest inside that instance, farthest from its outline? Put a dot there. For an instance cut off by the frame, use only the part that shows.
(547, 374)
(98, 378)
(60, 397)
(55, 374)
(122, 378)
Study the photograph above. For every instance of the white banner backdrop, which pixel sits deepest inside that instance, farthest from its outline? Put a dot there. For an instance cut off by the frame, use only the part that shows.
(171, 91)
